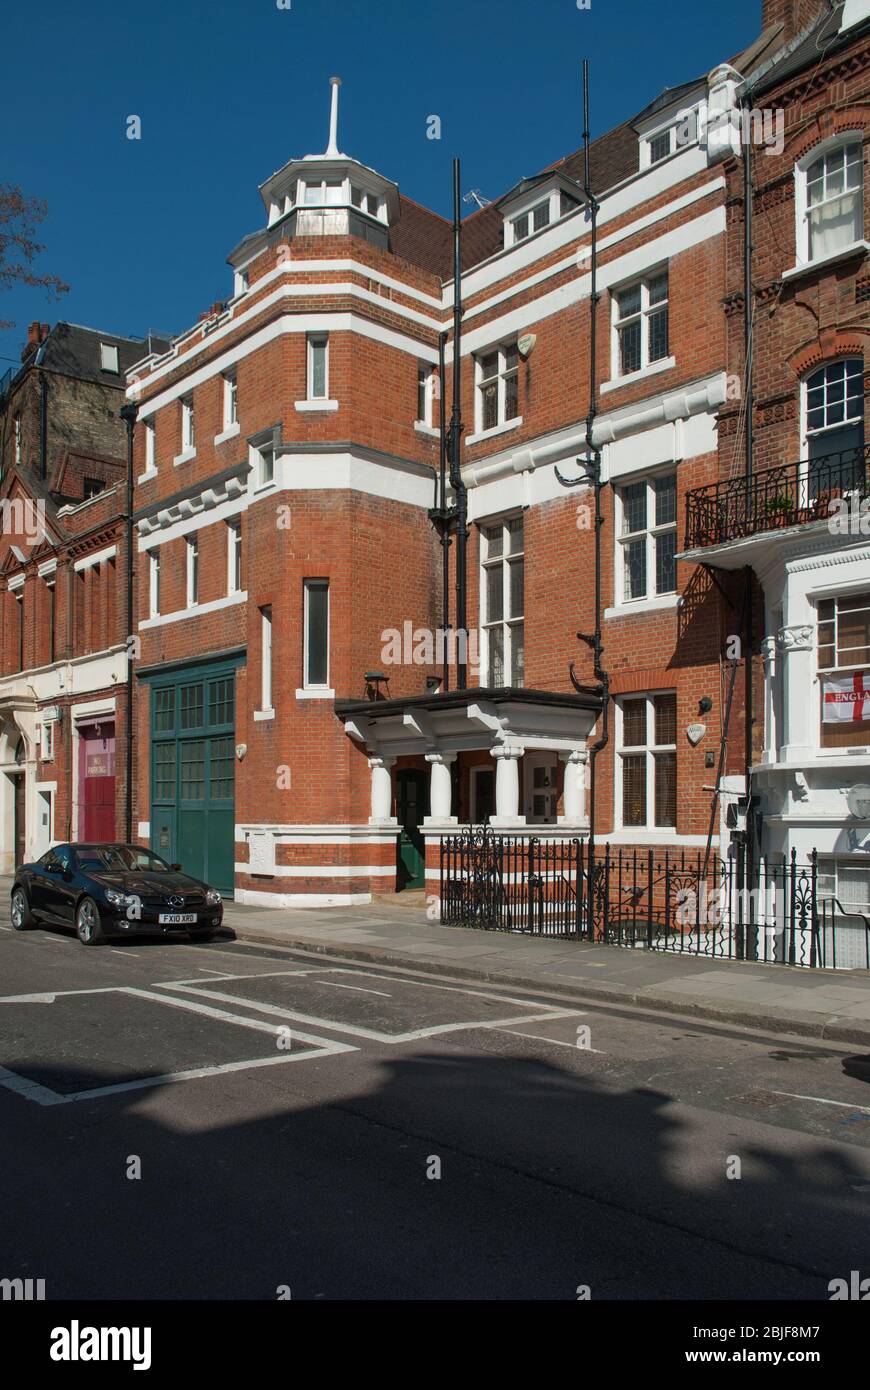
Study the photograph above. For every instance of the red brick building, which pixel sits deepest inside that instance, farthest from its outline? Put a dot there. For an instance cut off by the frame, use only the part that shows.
(294, 737)
(63, 655)
(792, 536)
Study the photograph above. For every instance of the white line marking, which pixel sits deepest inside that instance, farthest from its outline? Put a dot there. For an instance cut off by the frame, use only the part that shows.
(372, 1034)
(32, 1090)
(555, 1041)
(5, 928)
(116, 951)
(58, 994)
(333, 984)
(243, 1021)
(820, 1100)
(256, 975)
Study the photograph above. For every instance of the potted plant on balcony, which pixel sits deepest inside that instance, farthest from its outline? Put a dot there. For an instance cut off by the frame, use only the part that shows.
(780, 509)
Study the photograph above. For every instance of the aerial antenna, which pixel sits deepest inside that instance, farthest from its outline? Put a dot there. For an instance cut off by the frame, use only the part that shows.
(475, 196)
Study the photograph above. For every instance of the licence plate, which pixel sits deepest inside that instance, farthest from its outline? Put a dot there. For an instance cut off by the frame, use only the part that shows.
(174, 919)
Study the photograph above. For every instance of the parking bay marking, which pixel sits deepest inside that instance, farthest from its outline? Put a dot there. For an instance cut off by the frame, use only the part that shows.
(373, 1034)
(43, 1095)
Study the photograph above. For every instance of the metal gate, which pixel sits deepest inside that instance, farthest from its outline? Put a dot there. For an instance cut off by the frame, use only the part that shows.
(512, 883)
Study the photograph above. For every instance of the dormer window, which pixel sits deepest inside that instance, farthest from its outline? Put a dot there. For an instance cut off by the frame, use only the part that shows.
(531, 221)
(664, 142)
(532, 208)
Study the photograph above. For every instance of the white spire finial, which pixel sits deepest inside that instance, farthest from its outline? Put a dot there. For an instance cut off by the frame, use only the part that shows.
(332, 147)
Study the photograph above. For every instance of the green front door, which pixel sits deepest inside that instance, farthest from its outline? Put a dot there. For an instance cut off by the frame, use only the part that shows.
(192, 774)
(411, 807)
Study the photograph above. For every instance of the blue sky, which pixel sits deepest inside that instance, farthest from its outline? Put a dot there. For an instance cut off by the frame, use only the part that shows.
(228, 90)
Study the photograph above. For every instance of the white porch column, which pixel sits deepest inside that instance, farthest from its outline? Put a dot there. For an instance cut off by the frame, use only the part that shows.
(800, 702)
(574, 788)
(382, 790)
(771, 732)
(507, 787)
(440, 788)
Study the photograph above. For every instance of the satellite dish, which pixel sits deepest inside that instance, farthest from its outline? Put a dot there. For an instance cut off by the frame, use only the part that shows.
(858, 801)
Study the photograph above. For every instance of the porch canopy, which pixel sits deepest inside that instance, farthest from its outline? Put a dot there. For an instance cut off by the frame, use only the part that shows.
(506, 721)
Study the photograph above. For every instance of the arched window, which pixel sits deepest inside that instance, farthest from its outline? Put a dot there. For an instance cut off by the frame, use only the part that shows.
(834, 426)
(830, 202)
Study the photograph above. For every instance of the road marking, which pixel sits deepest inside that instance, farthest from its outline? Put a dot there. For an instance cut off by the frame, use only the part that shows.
(243, 1020)
(32, 1090)
(555, 1041)
(118, 952)
(58, 994)
(371, 1033)
(333, 984)
(820, 1100)
(256, 975)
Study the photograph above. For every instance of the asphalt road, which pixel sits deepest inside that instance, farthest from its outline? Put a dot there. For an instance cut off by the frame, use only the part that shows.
(226, 1121)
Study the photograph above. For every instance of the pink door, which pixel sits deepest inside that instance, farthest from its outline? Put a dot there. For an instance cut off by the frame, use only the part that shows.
(97, 782)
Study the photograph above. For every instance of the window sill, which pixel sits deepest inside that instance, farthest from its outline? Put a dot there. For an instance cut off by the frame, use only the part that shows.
(664, 365)
(229, 433)
(263, 714)
(422, 428)
(496, 429)
(183, 457)
(643, 605)
(807, 267)
(315, 694)
(317, 405)
(147, 475)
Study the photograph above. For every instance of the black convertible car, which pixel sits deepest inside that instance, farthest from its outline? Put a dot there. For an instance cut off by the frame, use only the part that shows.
(113, 890)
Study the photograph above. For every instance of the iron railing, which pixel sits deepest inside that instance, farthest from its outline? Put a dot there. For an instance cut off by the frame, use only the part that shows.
(792, 494)
(511, 883)
(656, 900)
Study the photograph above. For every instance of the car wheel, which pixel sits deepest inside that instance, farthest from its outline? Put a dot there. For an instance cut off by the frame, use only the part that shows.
(22, 917)
(88, 927)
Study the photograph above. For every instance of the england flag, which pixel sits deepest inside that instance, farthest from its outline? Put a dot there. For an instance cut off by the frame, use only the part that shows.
(846, 699)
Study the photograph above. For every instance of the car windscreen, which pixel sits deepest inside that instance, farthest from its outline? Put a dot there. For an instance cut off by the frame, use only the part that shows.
(120, 859)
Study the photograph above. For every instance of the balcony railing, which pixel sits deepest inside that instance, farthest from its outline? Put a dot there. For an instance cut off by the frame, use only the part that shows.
(793, 494)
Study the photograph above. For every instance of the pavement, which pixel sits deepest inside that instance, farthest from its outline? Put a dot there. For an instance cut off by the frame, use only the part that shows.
(832, 1005)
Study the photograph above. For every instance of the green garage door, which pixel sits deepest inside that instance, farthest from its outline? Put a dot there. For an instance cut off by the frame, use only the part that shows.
(192, 773)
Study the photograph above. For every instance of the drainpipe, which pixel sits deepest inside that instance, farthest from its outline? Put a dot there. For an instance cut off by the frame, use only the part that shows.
(128, 415)
(592, 475)
(455, 442)
(748, 307)
(442, 507)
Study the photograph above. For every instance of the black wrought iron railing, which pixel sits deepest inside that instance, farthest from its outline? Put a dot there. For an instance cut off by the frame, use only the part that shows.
(793, 494)
(656, 900)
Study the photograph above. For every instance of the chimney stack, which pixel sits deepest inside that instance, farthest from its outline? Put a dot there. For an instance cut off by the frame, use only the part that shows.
(793, 15)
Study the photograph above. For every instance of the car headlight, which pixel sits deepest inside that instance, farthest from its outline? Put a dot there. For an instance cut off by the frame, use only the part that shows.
(213, 897)
(120, 899)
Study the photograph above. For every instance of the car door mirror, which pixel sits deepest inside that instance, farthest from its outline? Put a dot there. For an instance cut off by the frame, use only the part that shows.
(176, 868)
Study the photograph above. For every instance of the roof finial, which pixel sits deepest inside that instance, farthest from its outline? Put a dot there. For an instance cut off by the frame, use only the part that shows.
(332, 147)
